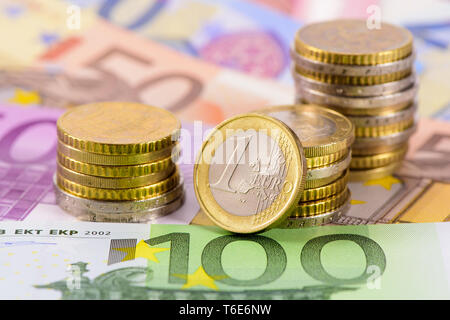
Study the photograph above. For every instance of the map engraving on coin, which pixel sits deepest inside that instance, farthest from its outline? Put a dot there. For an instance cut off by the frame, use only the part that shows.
(249, 181)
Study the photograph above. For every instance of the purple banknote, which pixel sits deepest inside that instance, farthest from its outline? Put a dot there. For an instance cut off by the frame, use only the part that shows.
(27, 159)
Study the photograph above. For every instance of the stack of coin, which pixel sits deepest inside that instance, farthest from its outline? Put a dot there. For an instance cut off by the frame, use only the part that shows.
(117, 162)
(326, 137)
(367, 75)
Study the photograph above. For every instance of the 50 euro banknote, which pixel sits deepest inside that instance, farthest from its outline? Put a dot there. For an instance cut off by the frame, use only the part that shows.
(128, 261)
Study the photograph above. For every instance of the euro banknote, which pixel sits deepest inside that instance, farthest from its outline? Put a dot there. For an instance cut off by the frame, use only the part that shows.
(110, 63)
(259, 37)
(128, 261)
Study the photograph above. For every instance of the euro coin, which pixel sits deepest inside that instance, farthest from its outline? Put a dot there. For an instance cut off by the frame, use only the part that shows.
(166, 164)
(329, 170)
(321, 131)
(118, 128)
(353, 80)
(378, 160)
(347, 90)
(352, 70)
(327, 190)
(313, 208)
(317, 220)
(385, 130)
(139, 193)
(361, 106)
(350, 41)
(118, 160)
(250, 173)
(385, 119)
(119, 211)
(374, 144)
(112, 183)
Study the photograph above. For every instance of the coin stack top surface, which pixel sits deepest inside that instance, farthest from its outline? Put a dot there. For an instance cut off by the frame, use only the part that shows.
(367, 75)
(326, 137)
(250, 173)
(116, 162)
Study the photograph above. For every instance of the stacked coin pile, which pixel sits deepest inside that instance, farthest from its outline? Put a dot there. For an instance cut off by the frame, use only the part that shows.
(367, 75)
(326, 137)
(117, 162)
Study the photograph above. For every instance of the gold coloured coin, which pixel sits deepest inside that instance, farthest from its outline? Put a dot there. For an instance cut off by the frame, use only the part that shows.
(166, 164)
(350, 41)
(313, 208)
(376, 173)
(366, 132)
(321, 131)
(250, 173)
(317, 220)
(118, 128)
(376, 150)
(320, 161)
(329, 170)
(327, 190)
(117, 160)
(353, 80)
(112, 183)
(139, 193)
(316, 183)
(378, 160)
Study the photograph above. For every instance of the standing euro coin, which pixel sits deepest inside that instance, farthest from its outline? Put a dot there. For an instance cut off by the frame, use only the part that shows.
(250, 173)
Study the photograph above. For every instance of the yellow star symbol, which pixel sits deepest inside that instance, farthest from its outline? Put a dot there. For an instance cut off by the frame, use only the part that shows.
(385, 182)
(142, 250)
(25, 97)
(357, 202)
(199, 278)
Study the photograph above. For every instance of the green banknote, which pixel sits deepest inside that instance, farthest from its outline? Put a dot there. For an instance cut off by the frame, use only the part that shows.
(83, 260)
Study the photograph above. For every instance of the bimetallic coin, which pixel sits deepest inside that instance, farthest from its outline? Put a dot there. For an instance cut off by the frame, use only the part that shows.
(250, 173)
(163, 165)
(350, 41)
(354, 90)
(312, 208)
(320, 161)
(353, 80)
(329, 170)
(317, 220)
(321, 131)
(326, 191)
(316, 183)
(112, 183)
(378, 160)
(352, 70)
(118, 128)
(386, 130)
(139, 193)
(119, 211)
(140, 217)
(376, 173)
(375, 143)
(358, 106)
(385, 119)
(118, 160)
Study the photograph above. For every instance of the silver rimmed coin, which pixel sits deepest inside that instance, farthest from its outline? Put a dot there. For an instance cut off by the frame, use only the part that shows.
(333, 169)
(150, 208)
(354, 90)
(383, 141)
(385, 119)
(352, 70)
(321, 219)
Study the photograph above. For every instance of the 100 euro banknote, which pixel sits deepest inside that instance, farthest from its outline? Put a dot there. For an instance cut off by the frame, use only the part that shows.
(137, 261)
